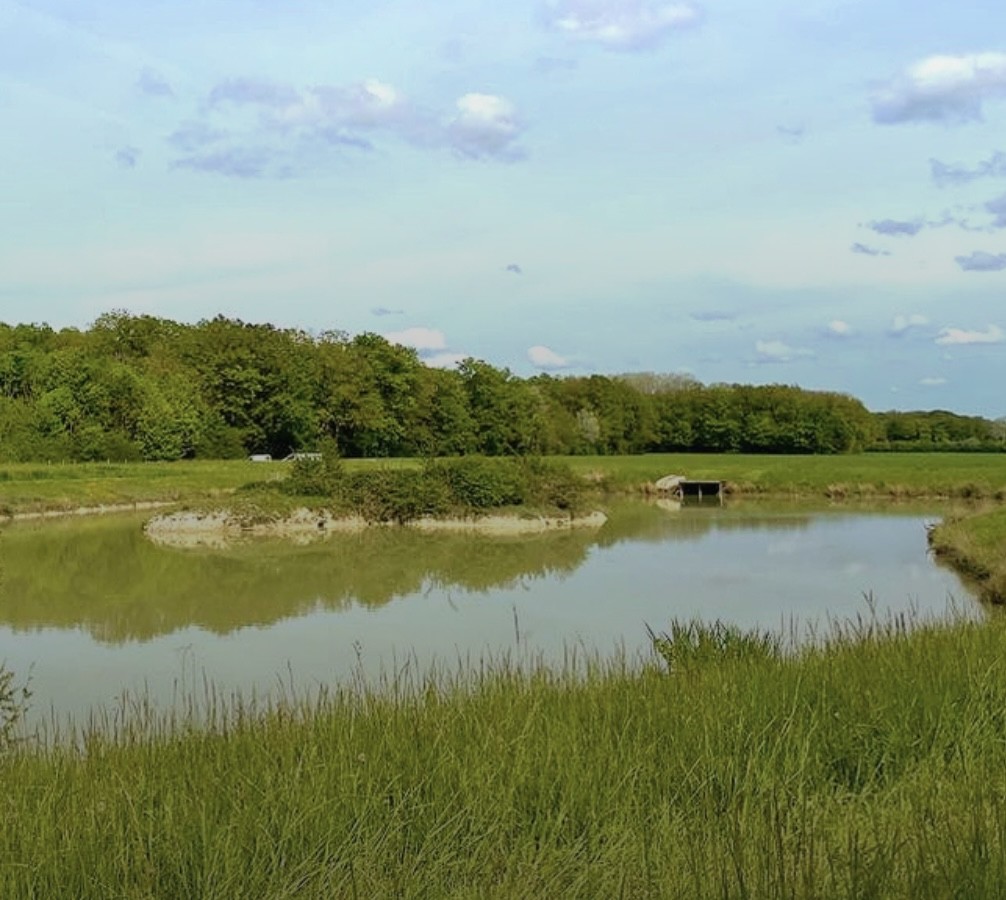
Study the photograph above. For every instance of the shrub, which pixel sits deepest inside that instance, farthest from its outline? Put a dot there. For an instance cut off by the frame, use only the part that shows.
(313, 477)
(221, 441)
(394, 495)
(478, 483)
(442, 487)
(553, 484)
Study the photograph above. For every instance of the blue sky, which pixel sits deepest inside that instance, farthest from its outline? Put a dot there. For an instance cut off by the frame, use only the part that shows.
(806, 192)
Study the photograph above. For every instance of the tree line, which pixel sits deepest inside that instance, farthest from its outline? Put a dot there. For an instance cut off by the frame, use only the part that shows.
(140, 387)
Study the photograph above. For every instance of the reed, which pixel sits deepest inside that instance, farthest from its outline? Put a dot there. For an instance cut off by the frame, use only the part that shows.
(868, 763)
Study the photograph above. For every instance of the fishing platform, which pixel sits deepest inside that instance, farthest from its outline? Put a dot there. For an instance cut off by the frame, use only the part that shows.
(690, 488)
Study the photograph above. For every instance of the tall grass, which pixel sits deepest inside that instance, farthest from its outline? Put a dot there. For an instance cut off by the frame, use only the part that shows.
(868, 764)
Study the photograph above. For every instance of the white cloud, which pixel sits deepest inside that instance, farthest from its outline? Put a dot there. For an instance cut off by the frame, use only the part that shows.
(903, 324)
(959, 336)
(445, 360)
(932, 382)
(545, 358)
(365, 104)
(941, 89)
(838, 328)
(422, 339)
(290, 127)
(777, 351)
(621, 24)
(485, 126)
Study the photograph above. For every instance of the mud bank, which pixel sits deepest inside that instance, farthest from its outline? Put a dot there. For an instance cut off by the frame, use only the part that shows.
(220, 528)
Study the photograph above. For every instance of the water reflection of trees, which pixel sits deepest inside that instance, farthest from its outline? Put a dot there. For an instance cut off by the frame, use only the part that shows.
(102, 575)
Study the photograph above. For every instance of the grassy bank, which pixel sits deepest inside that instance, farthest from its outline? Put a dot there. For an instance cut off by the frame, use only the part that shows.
(39, 488)
(29, 488)
(871, 767)
(975, 545)
(867, 475)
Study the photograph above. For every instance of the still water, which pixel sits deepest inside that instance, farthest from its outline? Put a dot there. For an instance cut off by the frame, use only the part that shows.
(93, 609)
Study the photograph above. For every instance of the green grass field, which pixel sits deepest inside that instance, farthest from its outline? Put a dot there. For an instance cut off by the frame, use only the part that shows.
(864, 474)
(31, 488)
(874, 766)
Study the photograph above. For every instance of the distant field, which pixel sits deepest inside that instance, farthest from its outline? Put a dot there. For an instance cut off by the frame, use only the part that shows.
(33, 487)
(884, 474)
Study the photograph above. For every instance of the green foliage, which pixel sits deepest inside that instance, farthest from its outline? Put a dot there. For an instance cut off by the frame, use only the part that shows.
(937, 430)
(553, 484)
(314, 475)
(93, 444)
(696, 644)
(395, 495)
(869, 765)
(480, 483)
(223, 388)
(220, 441)
(463, 486)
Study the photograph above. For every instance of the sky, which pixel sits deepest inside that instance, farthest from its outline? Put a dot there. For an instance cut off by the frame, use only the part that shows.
(804, 192)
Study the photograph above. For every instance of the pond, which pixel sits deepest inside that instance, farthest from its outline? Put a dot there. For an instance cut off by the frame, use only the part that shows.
(93, 609)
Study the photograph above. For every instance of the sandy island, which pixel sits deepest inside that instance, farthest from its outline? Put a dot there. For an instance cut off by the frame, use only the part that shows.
(220, 528)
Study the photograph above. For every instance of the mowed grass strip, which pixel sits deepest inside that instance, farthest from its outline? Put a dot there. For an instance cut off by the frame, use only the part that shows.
(874, 766)
(856, 475)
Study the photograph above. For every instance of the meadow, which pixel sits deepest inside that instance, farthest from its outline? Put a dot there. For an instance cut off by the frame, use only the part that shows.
(868, 475)
(33, 488)
(869, 764)
(36, 488)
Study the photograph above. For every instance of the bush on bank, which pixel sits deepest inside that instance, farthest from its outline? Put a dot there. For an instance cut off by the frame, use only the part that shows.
(464, 486)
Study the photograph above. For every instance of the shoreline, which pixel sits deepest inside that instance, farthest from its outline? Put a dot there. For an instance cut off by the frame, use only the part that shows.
(838, 493)
(103, 509)
(974, 546)
(219, 528)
